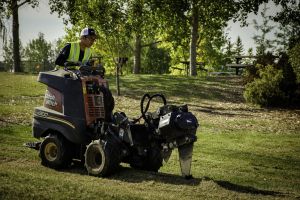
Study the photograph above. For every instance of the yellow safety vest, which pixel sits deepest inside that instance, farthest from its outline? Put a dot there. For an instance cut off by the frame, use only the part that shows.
(75, 51)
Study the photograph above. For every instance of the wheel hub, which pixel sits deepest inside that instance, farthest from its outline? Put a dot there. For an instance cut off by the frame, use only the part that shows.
(51, 151)
(96, 158)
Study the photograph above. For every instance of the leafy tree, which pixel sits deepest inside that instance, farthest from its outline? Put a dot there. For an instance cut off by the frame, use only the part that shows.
(289, 39)
(157, 60)
(104, 16)
(239, 48)
(244, 7)
(250, 54)
(140, 20)
(197, 20)
(210, 50)
(289, 19)
(261, 41)
(294, 59)
(282, 38)
(250, 51)
(8, 54)
(229, 52)
(229, 48)
(39, 50)
(11, 8)
(193, 16)
(56, 47)
(2, 30)
(122, 25)
(211, 43)
(196, 16)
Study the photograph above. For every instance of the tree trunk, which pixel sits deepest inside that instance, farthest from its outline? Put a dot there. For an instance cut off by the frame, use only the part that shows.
(16, 39)
(137, 54)
(194, 38)
(118, 78)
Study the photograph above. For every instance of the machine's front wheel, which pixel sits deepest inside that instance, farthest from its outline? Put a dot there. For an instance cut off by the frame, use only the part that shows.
(55, 152)
(101, 159)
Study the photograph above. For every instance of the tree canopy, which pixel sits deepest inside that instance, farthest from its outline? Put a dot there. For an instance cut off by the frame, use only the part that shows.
(10, 8)
(183, 30)
(39, 50)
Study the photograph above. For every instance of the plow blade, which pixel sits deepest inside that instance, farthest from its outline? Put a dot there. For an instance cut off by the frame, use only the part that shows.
(185, 159)
(166, 155)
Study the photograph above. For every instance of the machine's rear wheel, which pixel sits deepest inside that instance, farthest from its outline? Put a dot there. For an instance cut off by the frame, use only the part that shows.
(101, 159)
(55, 152)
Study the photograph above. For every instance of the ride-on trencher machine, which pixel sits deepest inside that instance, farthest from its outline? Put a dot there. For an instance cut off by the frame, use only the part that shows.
(77, 122)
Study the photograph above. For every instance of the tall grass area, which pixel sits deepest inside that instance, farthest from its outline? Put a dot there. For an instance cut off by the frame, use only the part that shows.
(242, 152)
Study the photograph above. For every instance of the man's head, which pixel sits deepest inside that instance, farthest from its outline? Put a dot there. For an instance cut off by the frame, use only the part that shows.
(88, 36)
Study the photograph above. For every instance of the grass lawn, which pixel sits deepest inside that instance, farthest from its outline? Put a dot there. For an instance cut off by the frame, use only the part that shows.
(242, 152)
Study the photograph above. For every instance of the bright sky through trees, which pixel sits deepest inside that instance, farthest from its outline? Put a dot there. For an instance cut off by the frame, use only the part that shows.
(33, 21)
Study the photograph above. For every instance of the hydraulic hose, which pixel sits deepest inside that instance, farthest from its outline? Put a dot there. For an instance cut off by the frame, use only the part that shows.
(148, 103)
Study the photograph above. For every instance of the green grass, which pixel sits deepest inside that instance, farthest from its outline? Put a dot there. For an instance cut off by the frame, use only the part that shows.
(242, 152)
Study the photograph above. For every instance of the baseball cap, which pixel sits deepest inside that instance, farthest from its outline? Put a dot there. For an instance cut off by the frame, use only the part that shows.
(88, 32)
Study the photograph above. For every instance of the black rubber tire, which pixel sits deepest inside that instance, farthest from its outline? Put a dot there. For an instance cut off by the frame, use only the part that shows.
(55, 152)
(101, 159)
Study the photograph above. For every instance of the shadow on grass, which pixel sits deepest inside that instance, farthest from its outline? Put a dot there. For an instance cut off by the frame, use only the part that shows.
(138, 176)
(243, 189)
(131, 175)
(215, 112)
(228, 90)
(246, 189)
(77, 167)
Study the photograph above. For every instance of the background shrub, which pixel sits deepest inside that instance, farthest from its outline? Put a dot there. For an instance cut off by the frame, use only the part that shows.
(294, 59)
(265, 90)
(270, 83)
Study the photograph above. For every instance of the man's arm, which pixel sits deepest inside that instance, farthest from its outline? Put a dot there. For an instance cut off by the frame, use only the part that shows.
(63, 55)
